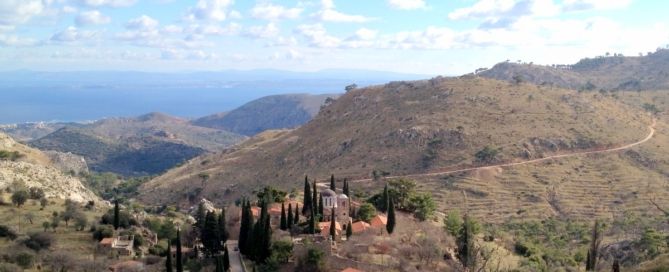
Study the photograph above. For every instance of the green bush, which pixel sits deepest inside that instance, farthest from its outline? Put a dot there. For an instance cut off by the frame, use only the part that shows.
(38, 241)
(7, 232)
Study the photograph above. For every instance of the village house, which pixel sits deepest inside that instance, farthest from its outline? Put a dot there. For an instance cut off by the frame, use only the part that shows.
(379, 221)
(325, 228)
(121, 245)
(337, 202)
(359, 226)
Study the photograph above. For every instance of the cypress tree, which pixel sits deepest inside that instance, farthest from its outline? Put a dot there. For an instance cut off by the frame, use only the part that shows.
(333, 224)
(249, 235)
(283, 224)
(332, 183)
(312, 223)
(297, 214)
(266, 249)
(314, 198)
(384, 199)
(307, 197)
(168, 262)
(180, 265)
(200, 216)
(117, 212)
(593, 252)
(245, 226)
(209, 234)
(320, 206)
(290, 220)
(616, 265)
(390, 225)
(226, 259)
(349, 230)
(345, 189)
(465, 243)
(219, 264)
(222, 228)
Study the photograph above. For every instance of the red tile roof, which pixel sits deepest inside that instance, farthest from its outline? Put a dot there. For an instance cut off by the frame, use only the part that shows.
(360, 226)
(350, 269)
(378, 221)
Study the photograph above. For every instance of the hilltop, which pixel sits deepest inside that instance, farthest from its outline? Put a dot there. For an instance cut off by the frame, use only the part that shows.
(610, 73)
(144, 145)
(410, 127)
(270, 112)
(32, 168)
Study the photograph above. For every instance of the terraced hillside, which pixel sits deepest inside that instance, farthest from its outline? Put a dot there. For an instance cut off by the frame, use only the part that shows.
(411, 127)
(612, 73)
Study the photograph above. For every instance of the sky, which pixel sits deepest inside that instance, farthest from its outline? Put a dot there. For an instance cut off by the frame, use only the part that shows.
(446, 37)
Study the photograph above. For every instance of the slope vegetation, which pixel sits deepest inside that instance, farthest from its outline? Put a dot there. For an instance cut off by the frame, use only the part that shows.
(270, 112)
(412, 127)
(144, 145)
(617, 73)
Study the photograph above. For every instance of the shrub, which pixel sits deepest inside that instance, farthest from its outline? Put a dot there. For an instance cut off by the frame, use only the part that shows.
(102, 232)
(24, 259)
(38, 241)
(36, 193)
(7, 232)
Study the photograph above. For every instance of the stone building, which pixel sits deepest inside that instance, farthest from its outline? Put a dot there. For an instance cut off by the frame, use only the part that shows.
(338, 202)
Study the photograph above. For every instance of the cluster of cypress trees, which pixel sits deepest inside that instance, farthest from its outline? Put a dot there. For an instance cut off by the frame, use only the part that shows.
(179, 255)
(287, 221)
(213, 232)
(255, 239)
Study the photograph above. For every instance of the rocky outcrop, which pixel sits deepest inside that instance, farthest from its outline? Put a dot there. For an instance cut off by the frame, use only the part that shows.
(54, 183)
(68, 162)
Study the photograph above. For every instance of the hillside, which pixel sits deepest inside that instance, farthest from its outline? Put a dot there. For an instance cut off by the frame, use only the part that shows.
(411, 127)
(617, 73)
(145, 145)
(26, 132)
(34, 169)
(270, 112)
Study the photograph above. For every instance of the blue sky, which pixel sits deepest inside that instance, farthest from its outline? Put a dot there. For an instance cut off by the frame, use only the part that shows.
(414, 36)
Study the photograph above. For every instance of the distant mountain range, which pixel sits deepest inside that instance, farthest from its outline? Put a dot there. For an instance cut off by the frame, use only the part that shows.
(30, 96)
(152, 143)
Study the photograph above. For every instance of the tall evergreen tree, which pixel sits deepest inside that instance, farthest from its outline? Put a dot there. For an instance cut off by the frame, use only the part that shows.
(180, 265)
(320, 207)
(168, 262)
(312, 223)
(616, 265)
(593, 251)
(209, 234)
(314, 198)
(283, 224)
(245, 227)
(390, 225)
(290, 220)
(222, 228)
(117, 215)
(297, 214)
(332, 183)
(346, 189)
(349, 230)
(266, 246)
(219, 264)
(308, 199)
(465, 243)
(333, 225)
(384, 199)
(226, 259)
(200, 216)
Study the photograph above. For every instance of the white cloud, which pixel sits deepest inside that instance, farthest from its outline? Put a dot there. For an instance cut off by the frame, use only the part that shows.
(578, 5)
(209, 10)
(92, 17)
(293, 54)
(407, 4)
(14, 12)
(267, 31)
(317, 36)
(269, 11)
(72, 34)
(366, 34)
(13, 40)
(329, 14)
(143, 22)
(501, 13)
(108, 3)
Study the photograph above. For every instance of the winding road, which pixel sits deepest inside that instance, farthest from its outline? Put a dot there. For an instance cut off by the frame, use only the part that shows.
(650, 135)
